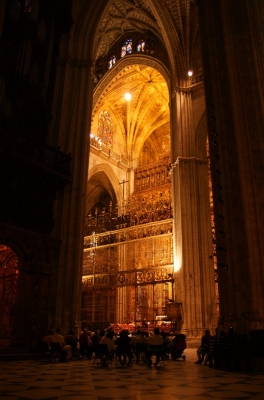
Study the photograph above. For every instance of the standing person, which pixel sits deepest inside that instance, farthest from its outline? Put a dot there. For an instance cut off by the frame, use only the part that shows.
(155, 340)
(89, 351)
(85, 342)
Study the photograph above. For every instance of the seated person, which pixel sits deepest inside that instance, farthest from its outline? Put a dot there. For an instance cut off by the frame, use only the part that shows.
(95, 339)
(202, 350)
(89, 351)
(71, 339)
(123, 349)
(179, 343)
(58, 338)
(155, 340)
(170, 342)
(134, 337)
(47, 338)
(108, 339)
(141, 345)
(171, 337)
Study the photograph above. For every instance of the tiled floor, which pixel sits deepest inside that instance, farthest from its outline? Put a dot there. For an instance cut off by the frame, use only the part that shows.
(80, 380)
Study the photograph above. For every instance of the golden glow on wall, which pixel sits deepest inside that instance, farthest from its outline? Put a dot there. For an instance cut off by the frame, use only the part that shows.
(177, 262)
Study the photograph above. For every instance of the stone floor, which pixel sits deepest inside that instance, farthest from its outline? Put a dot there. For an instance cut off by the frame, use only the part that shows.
(80, 380)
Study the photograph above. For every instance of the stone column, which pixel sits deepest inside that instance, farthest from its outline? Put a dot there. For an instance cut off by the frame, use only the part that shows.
(232, 36)
(74, 137)
(193, 247)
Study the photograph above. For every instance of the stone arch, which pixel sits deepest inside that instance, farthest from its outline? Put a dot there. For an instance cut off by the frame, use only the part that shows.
(16, 248)
(102, 176)
(121, 64)
(105, 85)
(7, 255)
(90, 27)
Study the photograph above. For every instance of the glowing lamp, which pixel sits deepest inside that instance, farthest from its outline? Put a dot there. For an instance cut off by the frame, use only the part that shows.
(128, 96)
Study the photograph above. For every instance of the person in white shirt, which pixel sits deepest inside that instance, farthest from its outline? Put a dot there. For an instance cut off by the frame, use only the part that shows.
(58, 338)
(47, 338)
(108, 339)
(155, 340)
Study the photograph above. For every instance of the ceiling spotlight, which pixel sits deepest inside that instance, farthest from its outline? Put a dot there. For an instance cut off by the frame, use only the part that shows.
(128, 96)
(190, 73)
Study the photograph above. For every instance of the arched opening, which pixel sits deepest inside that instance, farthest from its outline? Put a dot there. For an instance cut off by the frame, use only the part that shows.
(9, 264)
(128, 261)
(100, 193)
(161, 167)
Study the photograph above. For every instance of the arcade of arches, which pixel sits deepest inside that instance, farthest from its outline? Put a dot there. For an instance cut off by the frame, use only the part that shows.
(132, 166)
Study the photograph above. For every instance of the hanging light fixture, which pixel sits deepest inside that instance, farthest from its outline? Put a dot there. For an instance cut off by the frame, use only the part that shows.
(128, 96)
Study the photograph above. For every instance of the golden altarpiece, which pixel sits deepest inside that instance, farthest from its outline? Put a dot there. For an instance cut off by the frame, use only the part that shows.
(128, 257)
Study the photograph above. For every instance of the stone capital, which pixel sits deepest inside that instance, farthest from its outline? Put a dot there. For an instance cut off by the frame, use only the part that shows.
(189, 159)
(180, 90)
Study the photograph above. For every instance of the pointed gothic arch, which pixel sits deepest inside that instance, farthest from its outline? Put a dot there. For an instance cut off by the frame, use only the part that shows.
(105, 178)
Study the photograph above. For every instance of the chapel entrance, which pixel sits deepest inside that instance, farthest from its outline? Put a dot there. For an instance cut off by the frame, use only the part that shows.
(8, 288)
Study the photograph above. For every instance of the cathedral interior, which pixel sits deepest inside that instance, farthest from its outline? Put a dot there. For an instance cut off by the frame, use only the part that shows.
(131, 166)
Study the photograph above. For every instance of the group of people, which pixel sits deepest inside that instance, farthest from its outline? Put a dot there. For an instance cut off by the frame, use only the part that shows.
(123, 344)
(143, 344)
(84, 344)
(56, 337)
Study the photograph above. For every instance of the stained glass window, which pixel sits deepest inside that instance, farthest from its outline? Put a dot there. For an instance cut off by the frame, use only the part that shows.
(141, 46)
(105, 132)
(112, 61)
(126, 48)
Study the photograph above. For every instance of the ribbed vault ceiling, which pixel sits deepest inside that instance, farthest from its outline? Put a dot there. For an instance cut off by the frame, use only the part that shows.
(146, 113)
(180, 27)
(145, 121)
(123, 16)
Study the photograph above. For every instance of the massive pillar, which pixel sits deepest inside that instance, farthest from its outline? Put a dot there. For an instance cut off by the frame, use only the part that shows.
(73, 136)
(193, 265)
(232, 35)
